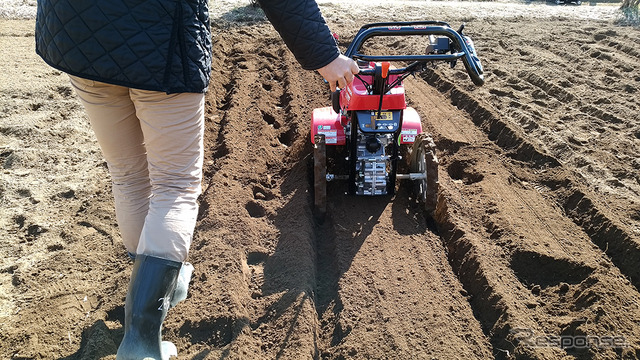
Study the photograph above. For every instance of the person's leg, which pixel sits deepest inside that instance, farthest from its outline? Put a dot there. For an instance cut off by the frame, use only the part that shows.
(173, 128)
(117, 128)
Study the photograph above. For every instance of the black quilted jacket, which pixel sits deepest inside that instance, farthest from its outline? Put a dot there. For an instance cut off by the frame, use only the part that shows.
(161, 45)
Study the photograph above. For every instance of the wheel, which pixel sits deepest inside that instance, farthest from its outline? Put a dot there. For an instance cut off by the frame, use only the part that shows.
(423, 160)
(320, 177)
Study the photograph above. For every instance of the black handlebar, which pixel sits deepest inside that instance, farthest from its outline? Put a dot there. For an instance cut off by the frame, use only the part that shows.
(404, 23)
(464, 52)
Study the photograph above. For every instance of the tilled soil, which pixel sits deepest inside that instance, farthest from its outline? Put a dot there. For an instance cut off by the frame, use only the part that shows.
(533, 251)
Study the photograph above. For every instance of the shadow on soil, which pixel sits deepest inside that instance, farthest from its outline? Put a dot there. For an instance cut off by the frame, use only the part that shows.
(311, 258)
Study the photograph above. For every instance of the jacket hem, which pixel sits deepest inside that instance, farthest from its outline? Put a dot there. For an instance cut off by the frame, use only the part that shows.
(120, 83)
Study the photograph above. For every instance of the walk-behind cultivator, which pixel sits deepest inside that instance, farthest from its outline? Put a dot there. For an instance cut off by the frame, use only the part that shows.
(369, 133)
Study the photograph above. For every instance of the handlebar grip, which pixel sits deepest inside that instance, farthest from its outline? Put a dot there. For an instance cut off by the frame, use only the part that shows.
(472, 70)
(472, 63)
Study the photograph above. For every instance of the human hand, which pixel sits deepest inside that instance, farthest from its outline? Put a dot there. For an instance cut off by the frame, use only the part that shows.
(340, 70)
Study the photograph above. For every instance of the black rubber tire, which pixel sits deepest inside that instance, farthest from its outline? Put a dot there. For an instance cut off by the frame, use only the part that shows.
(423, 159)
(320, 178)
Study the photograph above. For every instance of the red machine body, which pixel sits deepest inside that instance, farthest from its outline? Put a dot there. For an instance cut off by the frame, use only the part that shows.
(325, 121)
(355, 97)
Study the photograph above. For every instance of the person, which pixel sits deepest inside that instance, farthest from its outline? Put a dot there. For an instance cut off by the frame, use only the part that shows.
(141, 68)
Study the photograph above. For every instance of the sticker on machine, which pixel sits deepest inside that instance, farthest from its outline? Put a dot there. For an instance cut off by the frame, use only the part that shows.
(408, 138)
(331, 140)
(328, 133)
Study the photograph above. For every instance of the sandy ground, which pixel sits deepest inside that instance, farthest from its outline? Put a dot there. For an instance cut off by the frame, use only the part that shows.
(534, 248)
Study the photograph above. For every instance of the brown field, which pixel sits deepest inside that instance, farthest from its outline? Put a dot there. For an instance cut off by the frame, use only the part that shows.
(537, 240)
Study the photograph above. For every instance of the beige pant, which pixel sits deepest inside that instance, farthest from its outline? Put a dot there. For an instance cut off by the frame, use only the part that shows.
(153, 145)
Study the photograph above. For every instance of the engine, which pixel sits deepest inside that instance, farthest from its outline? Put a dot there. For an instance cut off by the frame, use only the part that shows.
(372, 164)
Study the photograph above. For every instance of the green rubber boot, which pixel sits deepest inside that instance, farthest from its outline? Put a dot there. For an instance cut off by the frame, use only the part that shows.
(153, 282)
